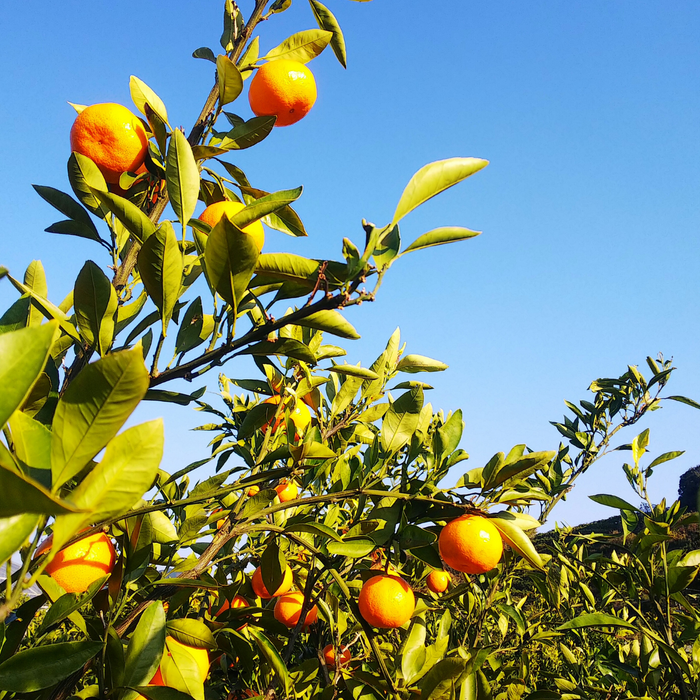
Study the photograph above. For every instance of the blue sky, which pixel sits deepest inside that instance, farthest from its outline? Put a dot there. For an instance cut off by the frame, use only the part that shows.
(588, 112)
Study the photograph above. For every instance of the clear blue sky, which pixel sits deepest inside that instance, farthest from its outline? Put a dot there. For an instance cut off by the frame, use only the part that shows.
(588, 111)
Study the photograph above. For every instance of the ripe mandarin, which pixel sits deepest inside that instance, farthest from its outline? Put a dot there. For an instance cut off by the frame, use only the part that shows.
(288, 610)
(386, 601)
(253, 490)
(438, 581)
(112, 137)
(287, 492)
(330, 659)
(259, 585)
(237, 602)
(301, 416)
(75, 567)
(213, 213)
(283, 88)
(470, 543)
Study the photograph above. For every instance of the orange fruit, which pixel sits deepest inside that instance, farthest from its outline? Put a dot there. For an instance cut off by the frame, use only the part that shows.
(285, 89)
(471, 543)
(438, 581)
(214, 212)
(262, 592)
(253, 490)
(201, 657)
(386, 601)
(288, 610)
(112, 137)
(75, 567)
(329, 656)
(237, 602)
(301, 416)
(287, 492)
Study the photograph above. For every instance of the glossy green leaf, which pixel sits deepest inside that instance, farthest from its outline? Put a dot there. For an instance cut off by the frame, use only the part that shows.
(195, 327)
(230, 80)
(180, 670)
(330, 321)
(434, 178)
(441, 236)
(68, 604)
(413, 653)
(204, 52)
(35, 279)
(67, 206)
(417, 363)
(327, 21)
(355, 548)
(596, 620)
(286, 267)
(315, 529)
(96, 303)
(685, 400)
(127, 313)
(93, 409)
(248, 134)
(70, 227)
(182, 177)
(126, 471)
(613, 502)
(354, 371)
(666, 457)
(302, 46)
(31, 440)
(84, 175)
(230, 258)
(23, 354)
(133, 219)
(518, 469)
(413, 537)
(192, 633)
(263, 206)
(14, 532)
(517, 539)
(272, 566)
(269, 651)
(401, 420)
(41, 667)
(20, 494)
(442, 677)
(161, 267)
(284, 219)
(145, 648)
(142, 95)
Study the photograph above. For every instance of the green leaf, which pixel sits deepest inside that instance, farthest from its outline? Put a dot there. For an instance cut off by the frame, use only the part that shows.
(287, 347)
(182, 177)
(96, 303)
(126, 471)
(414, 537)
(269, 651)
(315, 529)
(518, 469)
(230, 258)
(442, 677)
(142, 95)
(265, 205)
(354, 371)
(133, 219)
(20, 494)
(613, 501)
(145, 648)
(14, 532)
(434, 178)
(35, 279)
(330, 321)
(195, 328)
(685, 400)
(84, 175)
(230, 80)
(68, 604)
(93, 409)
(161, 267)
(248, 134)
(413, 653)
(401, 420)
(286, 267)
(413, 364)
(284, 219)
(327, 21)
(23, 354)
(44, 666)
(69, 227)
(204, 52)
(67, 206)
(192, 633)
(181, 671)
(272, 566)
(441, 236)
(596, 620)
(355, 548)
(302, 46)
(665, 457)
(31, 440)
(514, 537)
(128, 312)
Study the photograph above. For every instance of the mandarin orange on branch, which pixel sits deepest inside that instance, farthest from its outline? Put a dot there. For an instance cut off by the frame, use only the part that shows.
(330, 658)
(438, 581)
(284, 89)
(471, 544)
(261, 590)
(112, 137)
(288, 610)
(214, 212)
(75, 567)
(386, 602)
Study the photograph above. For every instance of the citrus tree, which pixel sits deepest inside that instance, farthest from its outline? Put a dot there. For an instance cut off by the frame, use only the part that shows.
(325, 556)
